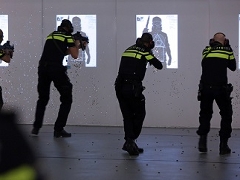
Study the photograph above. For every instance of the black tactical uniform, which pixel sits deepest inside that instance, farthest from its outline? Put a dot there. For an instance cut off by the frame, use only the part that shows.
(129, 89)
(1, 98)
(18, 160)
(214, 86)
(1, 55)
(51, 70)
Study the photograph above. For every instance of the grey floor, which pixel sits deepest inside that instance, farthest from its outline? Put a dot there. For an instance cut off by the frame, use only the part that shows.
(94, 153)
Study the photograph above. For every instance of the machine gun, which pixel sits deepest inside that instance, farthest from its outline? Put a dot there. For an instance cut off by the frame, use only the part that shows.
(7, 46)
(78, 36)
(145, 30)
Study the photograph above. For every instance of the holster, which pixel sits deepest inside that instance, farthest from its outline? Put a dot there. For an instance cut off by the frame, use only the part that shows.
(138, 88)
(229, 89)
(135, 86)
(200, 88)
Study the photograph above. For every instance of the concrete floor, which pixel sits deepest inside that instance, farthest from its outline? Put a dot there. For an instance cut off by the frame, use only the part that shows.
(94, 153)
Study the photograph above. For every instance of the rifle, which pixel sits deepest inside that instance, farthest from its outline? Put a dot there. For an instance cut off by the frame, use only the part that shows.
(147, 22)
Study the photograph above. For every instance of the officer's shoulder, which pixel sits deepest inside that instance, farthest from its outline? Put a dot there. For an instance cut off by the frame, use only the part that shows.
(225, 48)
(62, 33)
(207, 48)
(57, 33)
(142, 49)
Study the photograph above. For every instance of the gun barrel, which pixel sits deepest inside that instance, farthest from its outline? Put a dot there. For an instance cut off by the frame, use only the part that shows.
(147, 22)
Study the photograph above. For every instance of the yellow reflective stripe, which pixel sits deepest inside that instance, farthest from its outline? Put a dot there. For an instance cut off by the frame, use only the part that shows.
(139, 56)
(22, 173)
(231, 57)
(204, 53)
(218, 55)
(206, 50)
(70, 40)
(131, 50)
(220, 51)
(56, 37)
(136, 51)
(1, 52)
(61, 37)
(130, 54)
(149, 57)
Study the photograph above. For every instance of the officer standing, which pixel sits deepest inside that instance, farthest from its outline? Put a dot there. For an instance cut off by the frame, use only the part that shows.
(6, 55)
(128, 86)
(217, 58)
(58, 44)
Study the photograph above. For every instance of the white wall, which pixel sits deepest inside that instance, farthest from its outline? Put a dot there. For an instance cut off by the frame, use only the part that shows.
(170, 94)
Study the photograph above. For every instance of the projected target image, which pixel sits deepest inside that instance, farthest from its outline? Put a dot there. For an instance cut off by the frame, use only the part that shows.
(4, 28)
(86, 25)
(164, 29)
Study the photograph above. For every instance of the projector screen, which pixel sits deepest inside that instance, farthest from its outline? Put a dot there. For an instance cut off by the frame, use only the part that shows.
(86, 25)
(164, 29)
(4, 28)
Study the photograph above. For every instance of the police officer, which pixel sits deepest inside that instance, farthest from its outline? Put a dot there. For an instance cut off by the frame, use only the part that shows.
(128, 86)
(17, 159)
(58, 44)
(217, 58)
(6, 56)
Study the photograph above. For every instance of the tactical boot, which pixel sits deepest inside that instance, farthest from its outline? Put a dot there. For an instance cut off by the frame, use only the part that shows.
(34, 132)
(202, 144)
(131, 147)
(62, 133)
(224, 148)
(140, 150)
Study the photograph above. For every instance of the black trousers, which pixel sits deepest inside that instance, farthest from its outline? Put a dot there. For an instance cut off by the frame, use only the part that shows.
(133, 110)
(223, 100)
(1, 98)
(58, 75)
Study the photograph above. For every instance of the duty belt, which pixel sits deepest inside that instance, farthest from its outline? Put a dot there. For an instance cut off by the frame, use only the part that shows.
(45, 63)
(214, 86)
(130, 81)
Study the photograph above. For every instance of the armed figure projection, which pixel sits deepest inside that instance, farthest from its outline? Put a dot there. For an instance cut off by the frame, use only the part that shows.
(161, 41)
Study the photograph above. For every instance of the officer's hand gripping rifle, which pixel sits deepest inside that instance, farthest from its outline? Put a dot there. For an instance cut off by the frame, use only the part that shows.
(83, 40)
(7, 47)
